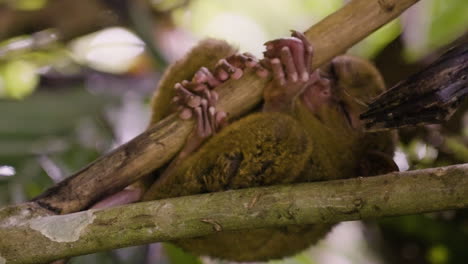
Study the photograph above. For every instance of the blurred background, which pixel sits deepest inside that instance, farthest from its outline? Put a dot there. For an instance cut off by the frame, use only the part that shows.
(76, 78)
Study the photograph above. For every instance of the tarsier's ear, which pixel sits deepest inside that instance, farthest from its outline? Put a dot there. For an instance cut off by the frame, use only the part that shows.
(376, 163)
(358, 76)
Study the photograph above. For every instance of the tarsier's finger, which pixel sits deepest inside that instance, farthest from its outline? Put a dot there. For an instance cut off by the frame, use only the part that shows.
(221, 74)
(197, 87)
(193, 101)
(288, 63)
(221, 120)
(205, 76)
(278, 72)
(298, 53)
(199, 119)
(212, 118)
(273, 47)
(187, 97)
(234, 72)
(185, 113)
(206, 118)
(308, 49)
(200, 76)
(242, 61)
(211, 79)
(182, 91)
(208, 95)
(215, 97)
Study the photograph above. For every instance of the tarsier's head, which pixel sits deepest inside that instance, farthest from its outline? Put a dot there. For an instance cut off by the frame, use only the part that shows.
(348, 84)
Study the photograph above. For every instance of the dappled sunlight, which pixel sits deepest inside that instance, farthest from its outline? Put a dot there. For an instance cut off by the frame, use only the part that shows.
(110, 50)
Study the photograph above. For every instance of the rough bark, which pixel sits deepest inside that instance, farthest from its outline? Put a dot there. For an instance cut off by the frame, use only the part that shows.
(428, 97)
(61, 236)
(157, 145)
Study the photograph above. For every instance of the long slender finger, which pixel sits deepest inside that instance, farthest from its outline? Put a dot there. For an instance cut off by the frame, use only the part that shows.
(199, 117)
(185, 113)
(188, 98)
(210, 78)
(273, 47)
(278, 72)
(206, 119)
(234, 72)
(182, 91)
(215, 97)
(209, 97)
(221, 74)
(242, 61)
(298, 54)
(288, 62)
(221, 120)
(212, 118)
(308, 49)
(196, 87)
(200, 76)
(193, 101)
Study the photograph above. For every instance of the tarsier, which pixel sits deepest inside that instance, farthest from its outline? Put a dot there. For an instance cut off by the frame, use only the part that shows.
(307, 130)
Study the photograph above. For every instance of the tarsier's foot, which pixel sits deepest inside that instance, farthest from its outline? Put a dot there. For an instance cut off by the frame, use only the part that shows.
(197, 98)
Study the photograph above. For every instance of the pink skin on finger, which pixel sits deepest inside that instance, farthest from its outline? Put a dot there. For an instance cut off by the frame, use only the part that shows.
(193, 101)
(212, 120)
(212, 81)
(221, 120)
(278, 73)
(237, 74)
(185, 114)
(200, 76)
(288, 62)
(308, 49)
(221, 74)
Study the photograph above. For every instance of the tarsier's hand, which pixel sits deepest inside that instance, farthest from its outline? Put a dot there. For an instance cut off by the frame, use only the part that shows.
(289, 59)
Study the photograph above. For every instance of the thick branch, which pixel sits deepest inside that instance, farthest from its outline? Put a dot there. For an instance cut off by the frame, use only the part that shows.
(54, 237)
(156, 146)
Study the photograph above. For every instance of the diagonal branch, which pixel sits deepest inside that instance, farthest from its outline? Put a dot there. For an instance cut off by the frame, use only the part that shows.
(54, 237)
(150, 150)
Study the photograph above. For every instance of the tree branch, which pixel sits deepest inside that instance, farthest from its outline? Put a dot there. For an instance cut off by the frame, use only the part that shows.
(428, 97)
(160, 143)
(54, 237)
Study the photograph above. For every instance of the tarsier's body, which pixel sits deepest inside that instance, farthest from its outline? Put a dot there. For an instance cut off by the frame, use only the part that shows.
(311, 139)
